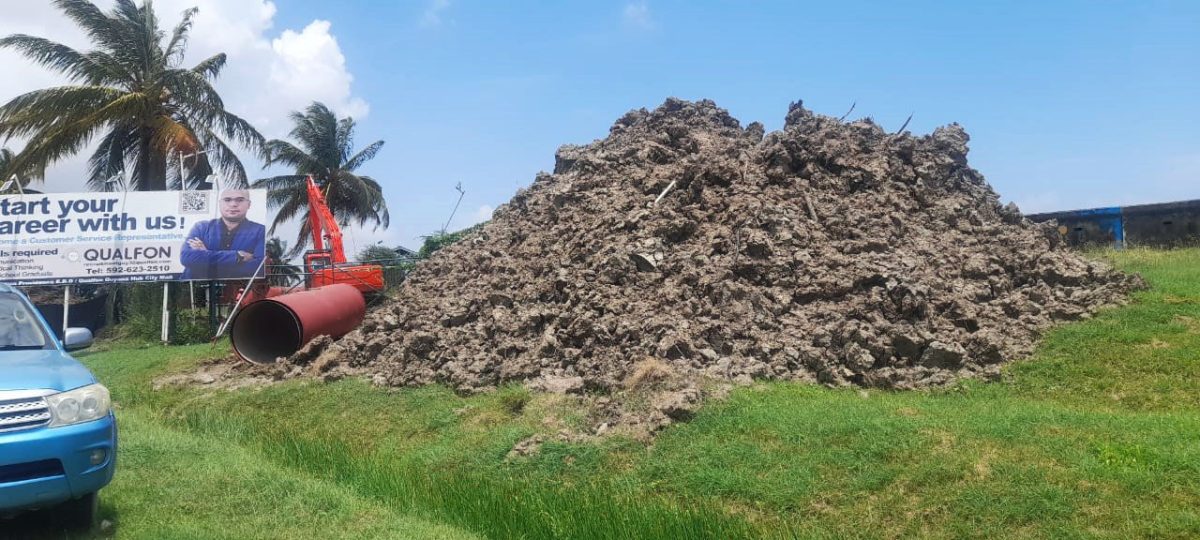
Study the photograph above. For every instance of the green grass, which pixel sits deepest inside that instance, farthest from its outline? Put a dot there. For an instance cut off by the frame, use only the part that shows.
(202, 488)
(179, 485)
(1093, 437)
(423, 452)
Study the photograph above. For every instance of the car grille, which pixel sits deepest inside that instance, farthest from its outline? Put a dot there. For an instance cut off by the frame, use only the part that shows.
(30, 471)
(23, 413)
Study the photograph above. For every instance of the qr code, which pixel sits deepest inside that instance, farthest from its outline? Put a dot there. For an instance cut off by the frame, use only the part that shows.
(193, 202)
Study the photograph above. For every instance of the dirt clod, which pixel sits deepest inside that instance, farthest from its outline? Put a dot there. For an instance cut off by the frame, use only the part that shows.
(827, 251)
(679, 405)
(526, 447)
(558, 385)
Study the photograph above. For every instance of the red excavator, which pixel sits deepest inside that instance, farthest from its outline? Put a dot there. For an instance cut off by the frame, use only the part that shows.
(275, 322)
(328, 266)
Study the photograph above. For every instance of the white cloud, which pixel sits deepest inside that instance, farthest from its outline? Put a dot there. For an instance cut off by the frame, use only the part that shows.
(268, 73)
(310, 63)
(269, 76)
(483, 214)
(637, 15)
(433, 13)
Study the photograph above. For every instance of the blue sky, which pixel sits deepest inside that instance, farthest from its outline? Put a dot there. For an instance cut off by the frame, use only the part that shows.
(1069, 104)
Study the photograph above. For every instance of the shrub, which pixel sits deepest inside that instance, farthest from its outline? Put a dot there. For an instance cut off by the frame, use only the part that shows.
(440, 240)
(140, 315)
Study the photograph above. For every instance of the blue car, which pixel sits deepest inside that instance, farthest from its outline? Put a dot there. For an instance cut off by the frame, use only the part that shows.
(58, 436)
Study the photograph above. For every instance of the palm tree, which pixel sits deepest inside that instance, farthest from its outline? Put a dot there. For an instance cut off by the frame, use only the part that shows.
(131, 89)
(8, 170)
(325, 151)
(281, 273)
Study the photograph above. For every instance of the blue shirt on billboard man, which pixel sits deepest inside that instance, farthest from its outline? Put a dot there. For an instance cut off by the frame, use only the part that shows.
(225, 248)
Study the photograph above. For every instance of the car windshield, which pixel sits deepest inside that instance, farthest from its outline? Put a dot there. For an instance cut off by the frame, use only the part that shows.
(20, 328)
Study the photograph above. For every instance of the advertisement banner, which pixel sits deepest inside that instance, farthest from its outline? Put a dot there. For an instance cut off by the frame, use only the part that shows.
(67, 238)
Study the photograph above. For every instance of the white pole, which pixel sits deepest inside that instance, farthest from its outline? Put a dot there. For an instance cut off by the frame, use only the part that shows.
(66, 310)
(166, 314)
(664, 193)
(182, 183)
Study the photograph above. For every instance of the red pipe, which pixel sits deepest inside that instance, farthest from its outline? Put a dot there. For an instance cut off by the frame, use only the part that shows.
(281, 325)
(262, 293)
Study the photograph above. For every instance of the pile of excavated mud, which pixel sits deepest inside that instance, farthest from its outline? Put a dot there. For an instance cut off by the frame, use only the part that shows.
(827, 251)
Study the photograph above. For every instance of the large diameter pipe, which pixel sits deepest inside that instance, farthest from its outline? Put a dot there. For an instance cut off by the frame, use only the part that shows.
(261, 293)
(281, 325)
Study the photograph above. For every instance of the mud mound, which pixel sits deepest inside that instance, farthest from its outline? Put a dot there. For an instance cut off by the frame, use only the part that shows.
(826, 251)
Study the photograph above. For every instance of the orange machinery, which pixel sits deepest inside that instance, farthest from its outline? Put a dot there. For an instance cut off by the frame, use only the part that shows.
(322, 265)
(276, 322)
(328, 266)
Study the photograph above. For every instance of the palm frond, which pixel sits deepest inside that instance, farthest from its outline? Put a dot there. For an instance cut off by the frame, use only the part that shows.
(99, 27)
(384, 218)
(211, 66)
(279, 184)
(316, 131)
(345, 139)
(66, 139)
(109, 159)
(8, 168)
(192, 92)
(291, 207)
(363, 156)
(303, 238)
(223, 158)
(36, 111)
(237, 129)
(57, 57)
(63, 142)
(285, 153)
(179, 36)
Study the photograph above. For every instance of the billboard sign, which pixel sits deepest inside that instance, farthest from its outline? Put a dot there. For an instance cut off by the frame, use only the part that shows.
(67, 238)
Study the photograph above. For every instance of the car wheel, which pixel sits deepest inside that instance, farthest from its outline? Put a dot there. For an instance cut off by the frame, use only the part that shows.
(80, 514)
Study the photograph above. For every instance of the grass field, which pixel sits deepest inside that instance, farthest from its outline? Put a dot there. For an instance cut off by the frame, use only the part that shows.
(1096, 436)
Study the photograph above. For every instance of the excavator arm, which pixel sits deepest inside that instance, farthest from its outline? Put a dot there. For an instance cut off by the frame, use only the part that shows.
(323, 226)
(327, 265)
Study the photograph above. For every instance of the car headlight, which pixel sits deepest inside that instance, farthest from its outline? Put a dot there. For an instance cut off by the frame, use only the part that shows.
(83, 404)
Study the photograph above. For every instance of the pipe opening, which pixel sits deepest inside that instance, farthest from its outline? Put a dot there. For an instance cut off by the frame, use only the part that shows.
(266, 330)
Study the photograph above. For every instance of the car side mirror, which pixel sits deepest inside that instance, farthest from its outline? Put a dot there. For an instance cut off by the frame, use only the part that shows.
(77, 338)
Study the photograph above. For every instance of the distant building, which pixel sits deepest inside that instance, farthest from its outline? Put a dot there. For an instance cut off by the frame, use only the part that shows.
(1170, 224)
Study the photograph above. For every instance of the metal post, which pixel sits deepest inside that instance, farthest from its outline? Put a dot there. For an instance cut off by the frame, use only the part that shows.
(461, 193)
(212, 307)
(1121, 230)
(192, 293)
(182, 182)
(66, 310)
(233, 311)
(166, 313)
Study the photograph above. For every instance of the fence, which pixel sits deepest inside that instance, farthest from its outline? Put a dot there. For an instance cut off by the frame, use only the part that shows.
(1153, 225)
(196, 308)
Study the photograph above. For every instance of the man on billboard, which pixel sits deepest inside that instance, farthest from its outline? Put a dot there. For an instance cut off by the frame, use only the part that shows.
(226, 248)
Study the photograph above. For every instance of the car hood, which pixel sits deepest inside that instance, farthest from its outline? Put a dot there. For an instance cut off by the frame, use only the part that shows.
(49, 369)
